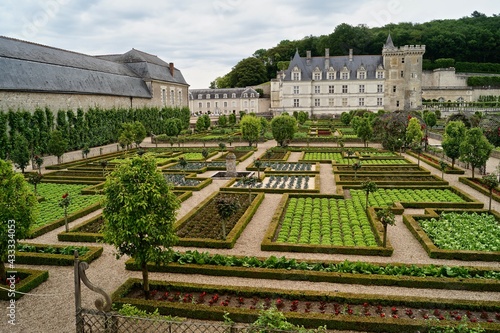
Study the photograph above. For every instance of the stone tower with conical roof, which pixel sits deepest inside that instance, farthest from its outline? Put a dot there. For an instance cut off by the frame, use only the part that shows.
(403, 67)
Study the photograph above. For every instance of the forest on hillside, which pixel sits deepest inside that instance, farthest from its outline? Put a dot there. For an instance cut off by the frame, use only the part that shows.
(471, 39)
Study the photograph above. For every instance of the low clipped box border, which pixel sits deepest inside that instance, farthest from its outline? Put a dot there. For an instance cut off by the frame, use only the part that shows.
(227, 187)
(268, 243)
(231, 237)
(67, 165)
(75, 235)
(468, 181)
(243, 157)
(203, 182)
(93, 190)
(449, 169)
(329, 277)
(411, 222)
(32, 258)
(269, 171)
(285, 157)
(470, 202)
(437, 180)
(30, 279)
(363, 171)
(340, 322)
(60, 222)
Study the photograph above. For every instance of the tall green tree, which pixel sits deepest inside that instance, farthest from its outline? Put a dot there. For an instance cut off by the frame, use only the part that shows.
(222, 120)
(454, 134)
(491, 181)
(18, 211)
(250, 129)
(283, 128)
(4, 139)
(171, 127)
(365, 130)
(57, 145)
(140, 211)
(20, 153)
(414, 132)
(475, 149)
(248, 72)
(430, 120)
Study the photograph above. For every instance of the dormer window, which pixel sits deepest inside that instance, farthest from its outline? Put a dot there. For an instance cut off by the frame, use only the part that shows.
(208, 96)
(245, 95)
(296, 74)
(252, 95)
(331, 74)
(380, 72)
(317, 74)
(361, 73)
(216, 95)
(344, 74)
(225, 95)
(233, 95)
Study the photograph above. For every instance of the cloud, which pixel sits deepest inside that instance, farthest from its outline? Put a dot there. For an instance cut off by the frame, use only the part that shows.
(204, 39)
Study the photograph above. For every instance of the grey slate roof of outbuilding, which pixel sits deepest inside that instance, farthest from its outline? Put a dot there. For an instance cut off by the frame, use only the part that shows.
(26, 66)
(369, 62)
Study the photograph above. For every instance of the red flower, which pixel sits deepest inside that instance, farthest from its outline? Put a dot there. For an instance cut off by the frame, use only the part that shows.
(65, 195)
(382, 315)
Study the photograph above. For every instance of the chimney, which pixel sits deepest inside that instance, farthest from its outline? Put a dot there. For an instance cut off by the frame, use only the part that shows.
(308, 56)
(171, 67)
(350, 54)
(327, 59)
(327, 53)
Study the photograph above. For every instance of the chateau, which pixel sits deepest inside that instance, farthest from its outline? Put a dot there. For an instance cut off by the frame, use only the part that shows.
(332, 85)
(224, 101)
(34, 75)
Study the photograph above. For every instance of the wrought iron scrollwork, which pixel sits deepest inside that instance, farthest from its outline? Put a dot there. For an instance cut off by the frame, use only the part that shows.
(100, 304)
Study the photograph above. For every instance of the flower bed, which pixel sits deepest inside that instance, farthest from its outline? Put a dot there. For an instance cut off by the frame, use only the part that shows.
(335, 310)
(187, 182)
(296, 167)
(202, 226)
(276, 183)
(381, 169)
(389, 179)
(457, 242)
(476, 184)
(198, 167)
(25, 281)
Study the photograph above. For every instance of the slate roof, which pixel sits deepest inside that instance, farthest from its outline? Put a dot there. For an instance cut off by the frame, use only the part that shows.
(193, 93)
(369, 62)
(26, 66)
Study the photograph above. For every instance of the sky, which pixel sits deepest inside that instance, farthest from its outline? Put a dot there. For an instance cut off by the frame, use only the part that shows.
(206, 38)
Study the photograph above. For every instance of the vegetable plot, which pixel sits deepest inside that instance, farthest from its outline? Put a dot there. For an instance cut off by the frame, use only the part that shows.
(386, 197)
(52, 192)
(464, 231)
(180, 180)
(283, 166)
(325, 221)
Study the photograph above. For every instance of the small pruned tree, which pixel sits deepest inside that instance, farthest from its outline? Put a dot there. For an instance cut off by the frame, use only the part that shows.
(222, 146)
(350, 152)
(443, 166)
(64, 204)
(140, 210)
(386, 217)
(417, 148)
(38, 162)
(249, 182)
(257, 163)
(35, 179)
(454, 133)
(491, 181)
(85, 151)
(356, 166)
(250, 129)
(369, 187)
(226, 207)
(205, 153)
(283, 128)
(183, 163)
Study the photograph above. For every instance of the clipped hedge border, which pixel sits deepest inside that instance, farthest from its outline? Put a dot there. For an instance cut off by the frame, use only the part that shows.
(329, 277)
(467, 181)
(316, 189)
(411, 222)
(471, 203)
(341, 322)
(239, 159)
(32, 258)
(437, 180)
(285, 157)
(93, 190)
(268, 243)
(30, 279)
(57, 223)
(204, 182)
(449, 169)
(270, 171)
(75, 235)
(363, 171)
(231, 237)
(68, 165)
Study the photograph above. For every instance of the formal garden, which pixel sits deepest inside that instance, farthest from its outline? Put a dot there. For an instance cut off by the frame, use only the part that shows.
(326, 208)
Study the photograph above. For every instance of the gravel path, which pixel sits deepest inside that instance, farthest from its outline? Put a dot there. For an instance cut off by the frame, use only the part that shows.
(50, 307)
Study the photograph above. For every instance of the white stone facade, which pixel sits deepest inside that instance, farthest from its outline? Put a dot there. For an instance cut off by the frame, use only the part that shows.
(224, 101)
